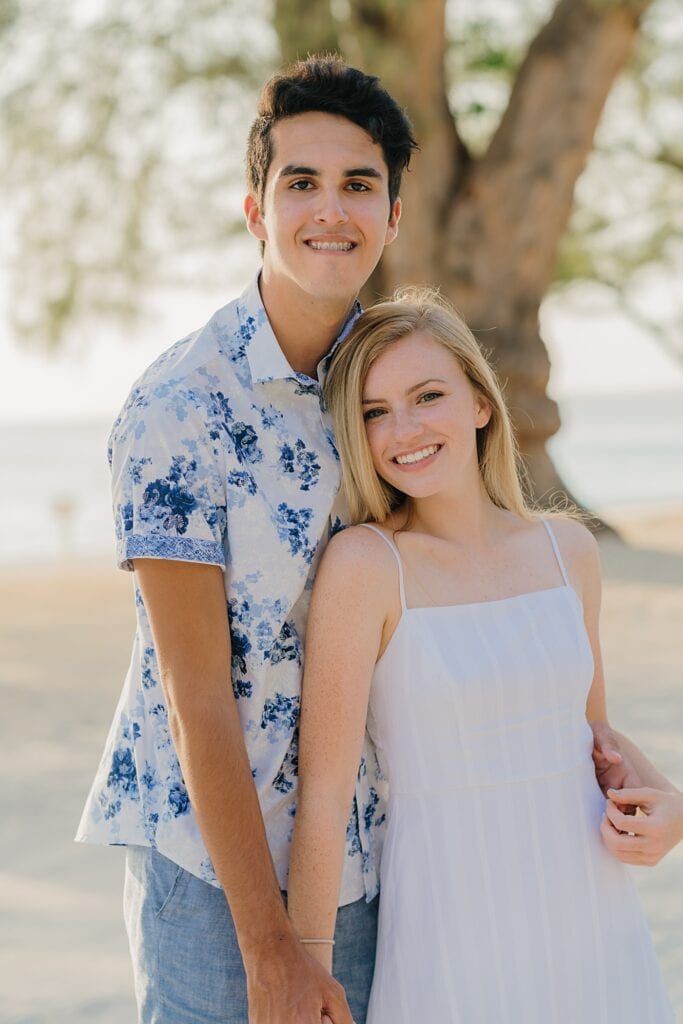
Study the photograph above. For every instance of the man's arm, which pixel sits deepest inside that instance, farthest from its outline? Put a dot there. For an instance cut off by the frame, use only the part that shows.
(618, 749)
(186, 606)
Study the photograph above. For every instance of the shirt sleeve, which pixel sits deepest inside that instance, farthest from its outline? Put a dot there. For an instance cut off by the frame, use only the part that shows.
(168, 483)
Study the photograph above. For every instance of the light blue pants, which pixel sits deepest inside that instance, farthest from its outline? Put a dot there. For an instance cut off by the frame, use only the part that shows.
(186, 961)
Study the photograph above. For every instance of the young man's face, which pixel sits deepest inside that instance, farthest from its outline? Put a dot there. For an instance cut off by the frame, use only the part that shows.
(325, 215)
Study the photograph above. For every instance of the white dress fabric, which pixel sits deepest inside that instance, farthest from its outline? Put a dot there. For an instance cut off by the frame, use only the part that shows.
(499, 903)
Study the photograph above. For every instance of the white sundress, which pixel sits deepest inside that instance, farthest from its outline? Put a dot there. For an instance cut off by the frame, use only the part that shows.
(499, 902)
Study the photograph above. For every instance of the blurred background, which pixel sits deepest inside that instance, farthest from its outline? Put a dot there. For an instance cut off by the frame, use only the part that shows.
(547, 203)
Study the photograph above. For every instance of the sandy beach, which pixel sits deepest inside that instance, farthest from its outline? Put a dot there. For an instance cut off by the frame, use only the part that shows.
(65, 636)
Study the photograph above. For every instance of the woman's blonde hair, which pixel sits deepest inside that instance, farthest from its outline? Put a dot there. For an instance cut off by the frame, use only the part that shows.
(369, 496)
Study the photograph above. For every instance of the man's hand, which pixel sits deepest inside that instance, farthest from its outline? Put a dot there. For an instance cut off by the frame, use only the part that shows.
(288, 986)
(612, 769)
(647, 837)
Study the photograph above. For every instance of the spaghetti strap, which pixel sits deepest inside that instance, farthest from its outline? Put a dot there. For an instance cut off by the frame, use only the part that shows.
(556, 549)
(397, 556)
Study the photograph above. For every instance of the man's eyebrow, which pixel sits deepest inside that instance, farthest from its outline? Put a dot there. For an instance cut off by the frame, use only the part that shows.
(415, 387)
(362, 172)
(291, 170)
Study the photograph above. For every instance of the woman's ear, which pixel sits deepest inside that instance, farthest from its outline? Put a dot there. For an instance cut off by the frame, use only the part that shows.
(482, 409)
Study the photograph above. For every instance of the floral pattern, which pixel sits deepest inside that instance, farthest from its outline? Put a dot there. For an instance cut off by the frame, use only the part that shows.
(223, 455)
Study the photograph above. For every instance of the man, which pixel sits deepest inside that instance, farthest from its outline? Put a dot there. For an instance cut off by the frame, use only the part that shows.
(225, 478)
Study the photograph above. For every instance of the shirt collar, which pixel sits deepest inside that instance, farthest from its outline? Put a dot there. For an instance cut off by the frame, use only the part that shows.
(267, 361)
(324, 364)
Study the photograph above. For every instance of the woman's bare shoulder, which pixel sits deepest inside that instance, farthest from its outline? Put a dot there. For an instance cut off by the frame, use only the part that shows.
(580, 552)
(574, 537)
(357, 569)
(359, 548)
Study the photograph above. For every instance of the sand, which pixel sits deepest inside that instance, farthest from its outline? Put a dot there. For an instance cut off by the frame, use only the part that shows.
(65, 635)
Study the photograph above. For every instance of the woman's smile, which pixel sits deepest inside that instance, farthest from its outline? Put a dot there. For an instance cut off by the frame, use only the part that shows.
(417, 458)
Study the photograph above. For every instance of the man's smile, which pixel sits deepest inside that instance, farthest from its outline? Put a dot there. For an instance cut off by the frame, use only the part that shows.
(322, 245)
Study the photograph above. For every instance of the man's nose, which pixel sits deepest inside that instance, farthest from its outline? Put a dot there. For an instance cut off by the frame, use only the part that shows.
(331, 208)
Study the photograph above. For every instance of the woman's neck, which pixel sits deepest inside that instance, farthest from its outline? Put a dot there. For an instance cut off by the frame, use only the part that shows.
(471, 520)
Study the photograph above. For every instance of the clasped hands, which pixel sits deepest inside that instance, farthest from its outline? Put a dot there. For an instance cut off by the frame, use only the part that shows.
(641, 824)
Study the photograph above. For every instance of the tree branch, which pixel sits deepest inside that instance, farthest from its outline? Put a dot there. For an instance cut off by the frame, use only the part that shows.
(524, 184)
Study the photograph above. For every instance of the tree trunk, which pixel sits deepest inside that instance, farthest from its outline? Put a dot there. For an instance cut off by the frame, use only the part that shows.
(508, 219)
(303, 27)
(487, 231)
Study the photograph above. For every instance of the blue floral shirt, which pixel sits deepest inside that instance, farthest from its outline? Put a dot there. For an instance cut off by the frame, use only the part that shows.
(223, 455)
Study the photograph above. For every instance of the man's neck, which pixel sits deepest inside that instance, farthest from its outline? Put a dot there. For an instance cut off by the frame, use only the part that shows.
(305, 327)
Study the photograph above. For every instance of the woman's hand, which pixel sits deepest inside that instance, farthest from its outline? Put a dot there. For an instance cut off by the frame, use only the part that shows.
(647, 837)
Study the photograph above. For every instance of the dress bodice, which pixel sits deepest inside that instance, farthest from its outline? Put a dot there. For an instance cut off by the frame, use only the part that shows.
(483, 693)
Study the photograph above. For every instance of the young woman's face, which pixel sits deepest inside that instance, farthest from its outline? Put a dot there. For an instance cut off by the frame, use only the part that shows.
(421, 417)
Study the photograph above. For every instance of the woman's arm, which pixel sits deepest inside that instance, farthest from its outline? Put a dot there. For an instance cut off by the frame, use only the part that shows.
(583, 564)
(649, 775)
(612, 767)
(625, 774)
(349, 608)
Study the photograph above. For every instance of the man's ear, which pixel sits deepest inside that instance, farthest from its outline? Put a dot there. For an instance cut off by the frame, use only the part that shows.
(392, 226)
(254, 219)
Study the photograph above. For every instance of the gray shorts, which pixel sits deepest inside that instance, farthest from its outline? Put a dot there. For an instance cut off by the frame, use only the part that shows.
(186, 961)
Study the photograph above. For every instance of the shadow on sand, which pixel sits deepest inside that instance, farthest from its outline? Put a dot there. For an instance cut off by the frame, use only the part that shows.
(623, 563)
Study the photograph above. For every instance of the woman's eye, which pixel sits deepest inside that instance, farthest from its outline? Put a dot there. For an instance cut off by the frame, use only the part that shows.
(429, 396)
(372, 414)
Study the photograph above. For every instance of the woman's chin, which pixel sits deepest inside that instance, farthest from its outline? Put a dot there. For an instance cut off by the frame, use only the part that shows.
(413, 488)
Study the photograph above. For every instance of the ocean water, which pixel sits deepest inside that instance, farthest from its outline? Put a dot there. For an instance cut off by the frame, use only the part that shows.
(615, 450)
(54, 492)
(612, 450)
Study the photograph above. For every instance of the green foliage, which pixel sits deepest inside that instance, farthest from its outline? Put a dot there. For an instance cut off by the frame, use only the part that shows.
(9, 12)
(487, 44)
(628, 216)
(122, 130)
(119, 126)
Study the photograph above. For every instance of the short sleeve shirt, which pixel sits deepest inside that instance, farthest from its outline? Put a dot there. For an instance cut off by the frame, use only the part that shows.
(223, 455)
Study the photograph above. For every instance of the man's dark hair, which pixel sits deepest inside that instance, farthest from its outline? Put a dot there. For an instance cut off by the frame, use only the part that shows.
(323, 83)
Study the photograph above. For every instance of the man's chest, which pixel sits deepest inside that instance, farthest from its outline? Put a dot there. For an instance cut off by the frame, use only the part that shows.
(282, 482)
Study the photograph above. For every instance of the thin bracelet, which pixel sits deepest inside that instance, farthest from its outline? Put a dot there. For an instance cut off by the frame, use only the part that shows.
(317, 942)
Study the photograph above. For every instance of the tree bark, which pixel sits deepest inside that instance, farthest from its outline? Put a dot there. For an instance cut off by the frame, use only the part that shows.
(404, 43)
(303, 27)
(487, 231)
(507, 221)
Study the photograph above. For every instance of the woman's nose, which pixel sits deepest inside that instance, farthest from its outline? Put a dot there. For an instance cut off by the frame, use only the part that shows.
(406, 425)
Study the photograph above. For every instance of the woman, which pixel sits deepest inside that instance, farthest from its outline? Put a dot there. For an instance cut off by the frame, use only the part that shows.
(465, 629)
